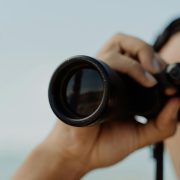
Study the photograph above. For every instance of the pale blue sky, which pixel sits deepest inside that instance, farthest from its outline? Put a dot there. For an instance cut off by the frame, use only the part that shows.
(35, 36)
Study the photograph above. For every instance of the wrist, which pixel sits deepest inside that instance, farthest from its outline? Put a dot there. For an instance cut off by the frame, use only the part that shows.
(53, 160)
(65, 155)
(58, 164)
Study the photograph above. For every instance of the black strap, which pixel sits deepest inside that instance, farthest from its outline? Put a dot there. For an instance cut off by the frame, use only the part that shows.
(158, 155)
(162, 39)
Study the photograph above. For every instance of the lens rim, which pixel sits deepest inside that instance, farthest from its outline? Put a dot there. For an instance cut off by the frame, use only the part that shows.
(59, 109)
(65, 96)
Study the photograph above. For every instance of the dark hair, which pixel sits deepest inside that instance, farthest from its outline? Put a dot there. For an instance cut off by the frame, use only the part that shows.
(171, 29)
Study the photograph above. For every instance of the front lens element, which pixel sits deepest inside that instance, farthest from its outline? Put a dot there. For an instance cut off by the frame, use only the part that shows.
(84, 91)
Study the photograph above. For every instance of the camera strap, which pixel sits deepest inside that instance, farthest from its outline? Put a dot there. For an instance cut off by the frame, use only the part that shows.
(162, 39)
(158, 152)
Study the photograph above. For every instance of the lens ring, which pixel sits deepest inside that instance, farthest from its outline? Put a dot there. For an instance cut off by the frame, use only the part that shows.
(57, 105)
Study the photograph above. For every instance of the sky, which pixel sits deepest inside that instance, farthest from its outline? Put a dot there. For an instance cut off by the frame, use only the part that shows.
(35, 37)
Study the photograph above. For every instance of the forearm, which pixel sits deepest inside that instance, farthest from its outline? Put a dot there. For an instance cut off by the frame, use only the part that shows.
(50, 161)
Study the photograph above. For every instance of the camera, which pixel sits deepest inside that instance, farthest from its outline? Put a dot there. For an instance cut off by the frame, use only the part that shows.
(84, 91)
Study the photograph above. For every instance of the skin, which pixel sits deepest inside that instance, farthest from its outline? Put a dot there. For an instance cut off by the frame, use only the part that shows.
(71, 152)
(171, 53)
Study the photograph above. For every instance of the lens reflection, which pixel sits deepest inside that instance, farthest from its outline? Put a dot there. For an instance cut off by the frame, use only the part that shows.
(84, 92)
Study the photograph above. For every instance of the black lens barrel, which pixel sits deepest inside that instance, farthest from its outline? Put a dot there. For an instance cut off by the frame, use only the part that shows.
(59, 84)
(84, 91)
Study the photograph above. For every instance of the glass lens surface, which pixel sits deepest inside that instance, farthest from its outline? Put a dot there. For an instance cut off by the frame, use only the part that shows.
(84, 91)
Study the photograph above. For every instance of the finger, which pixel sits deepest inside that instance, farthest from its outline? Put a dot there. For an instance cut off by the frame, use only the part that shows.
(135, 48)
(170, 91)
(161, 128)
(142, 52)
(161, 61)
(129, 66)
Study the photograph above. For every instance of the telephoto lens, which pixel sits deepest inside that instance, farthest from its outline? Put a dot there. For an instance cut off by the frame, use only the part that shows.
(84, 91)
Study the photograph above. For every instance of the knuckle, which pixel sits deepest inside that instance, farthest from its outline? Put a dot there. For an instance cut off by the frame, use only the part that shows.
(105, 57)
(170, 131)
(146, 47)
(118, 36)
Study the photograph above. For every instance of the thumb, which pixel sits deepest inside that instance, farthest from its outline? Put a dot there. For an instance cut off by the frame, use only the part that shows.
(162, 127)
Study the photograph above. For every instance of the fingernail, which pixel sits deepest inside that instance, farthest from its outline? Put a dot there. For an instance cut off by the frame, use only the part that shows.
(150, 78)
(156, 65)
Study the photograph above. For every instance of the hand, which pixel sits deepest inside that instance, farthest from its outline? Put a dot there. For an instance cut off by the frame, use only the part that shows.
(77, 150)
(110, 142)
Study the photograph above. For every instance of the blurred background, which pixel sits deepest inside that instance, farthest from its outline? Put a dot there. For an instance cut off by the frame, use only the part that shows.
(35, 37)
